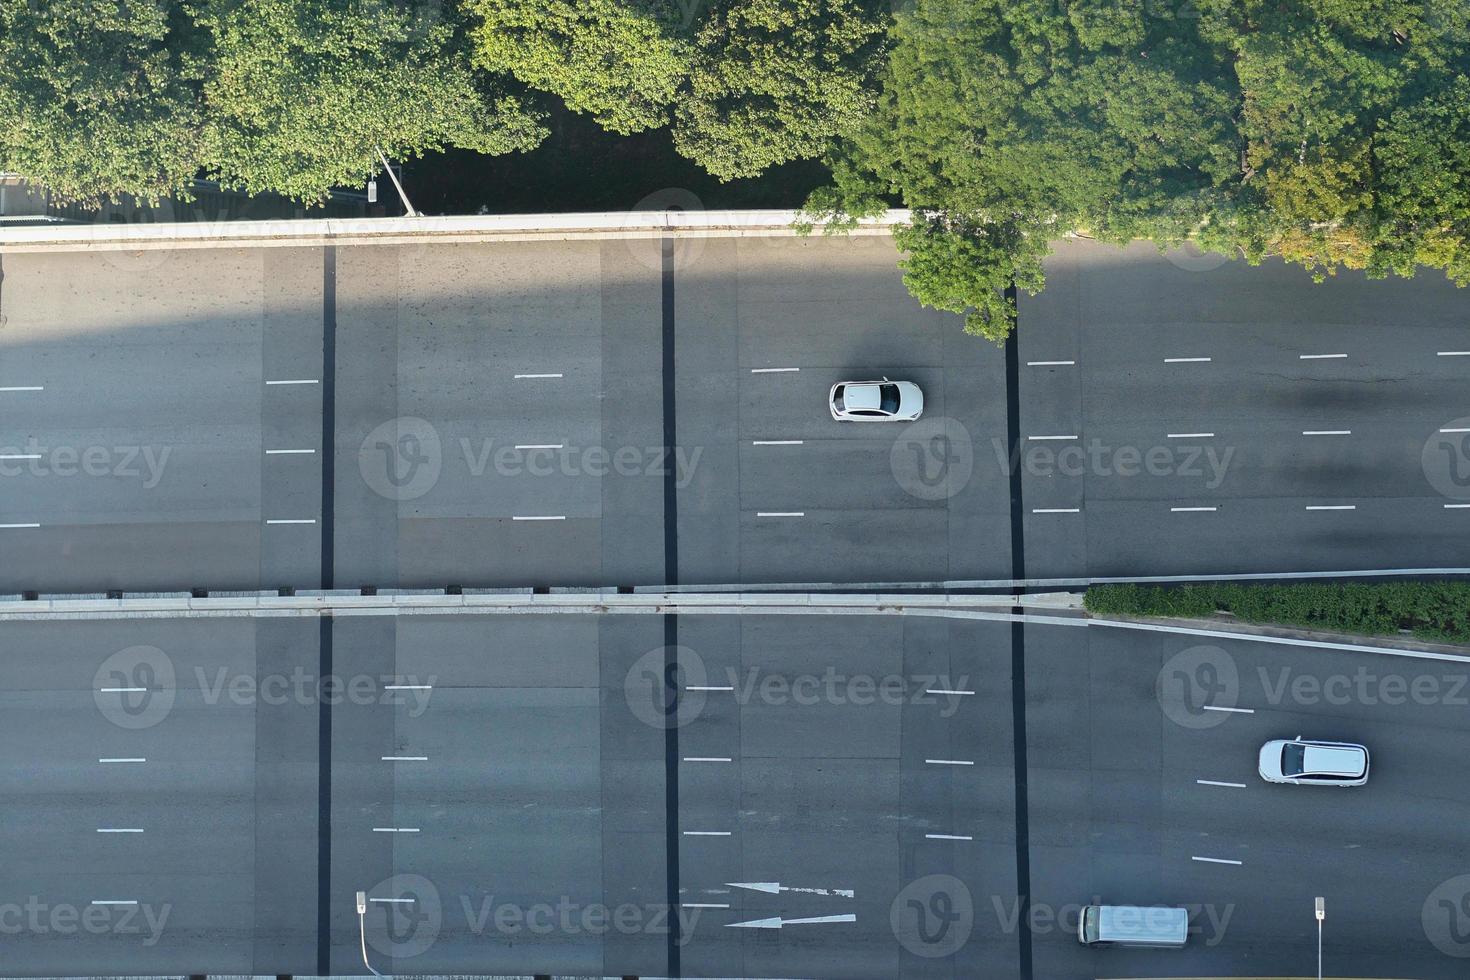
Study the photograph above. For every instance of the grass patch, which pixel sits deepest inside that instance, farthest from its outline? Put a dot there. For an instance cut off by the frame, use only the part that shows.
(1437, 611)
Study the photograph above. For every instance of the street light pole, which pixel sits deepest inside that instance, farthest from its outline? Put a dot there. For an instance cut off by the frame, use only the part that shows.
(1321, 914)
(408, 211)
(362, 904)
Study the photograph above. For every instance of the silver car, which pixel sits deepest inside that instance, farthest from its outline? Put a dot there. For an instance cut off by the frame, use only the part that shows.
(1308, 762)
(876, 401)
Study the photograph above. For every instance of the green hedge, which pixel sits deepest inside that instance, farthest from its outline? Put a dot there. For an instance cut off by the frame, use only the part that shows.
(1431, 610)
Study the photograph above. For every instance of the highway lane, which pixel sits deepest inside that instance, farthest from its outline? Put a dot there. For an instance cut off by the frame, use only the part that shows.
(1222, 418)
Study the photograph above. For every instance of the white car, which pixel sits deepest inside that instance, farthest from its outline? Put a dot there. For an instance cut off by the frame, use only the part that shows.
(1307, 762)
(876, 401)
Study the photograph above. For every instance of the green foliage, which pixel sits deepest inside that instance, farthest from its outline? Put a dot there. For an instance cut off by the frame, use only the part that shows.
(98, 97)
(1431, 610)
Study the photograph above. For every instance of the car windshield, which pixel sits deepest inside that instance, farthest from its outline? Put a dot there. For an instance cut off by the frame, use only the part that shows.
(890, 399)
(837, 399)
(1292, 759)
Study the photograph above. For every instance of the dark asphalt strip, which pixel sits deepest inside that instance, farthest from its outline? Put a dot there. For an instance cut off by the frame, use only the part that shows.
(329, 409)
(324, 811)
(671, 623)
(1018, 654)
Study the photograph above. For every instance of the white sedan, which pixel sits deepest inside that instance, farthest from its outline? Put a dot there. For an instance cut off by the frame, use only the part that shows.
(1307, 762)
(876, 401)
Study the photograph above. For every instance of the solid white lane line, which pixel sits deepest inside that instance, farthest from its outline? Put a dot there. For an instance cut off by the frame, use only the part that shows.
(778, 442)
(780, 513)
(303, 520)
(949, 762)
(706, 758)
(1052, 438)
(295, 381)
(1327, 432)
(533, 376)
(395, 830)
(1462, 429)
(543, 517)
(937, 691)
(774, 370)
(543, 445)
(1214, 782)
(706, 833)
(1234, 711)
(1214, 860)
(1332, 507)
(121, 690)
(1191, 435)
(1056, 510)
(1320, 357)
(121, 760)
(113, 901)
(1192, 510)
(17, 527)
(1443, 353)
(23, 388)
(289, 452)
(1186, 360)
(405, 758)
(119, 830)
(1050, 363)
(702, 905)
(707, 687)
(948, 837)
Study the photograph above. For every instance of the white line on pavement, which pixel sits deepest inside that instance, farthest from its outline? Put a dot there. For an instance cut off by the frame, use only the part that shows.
(937, 691)
(395, 830)
(408, 687)
(1443, 353)
(778, 442)
(1214, 860)
(1327, 432)
(1320, 357)
(289, 452)
(544, 517)
(113, 901)
(121, 690)
(1456, 506)
(1192, 510)
(24, 388)
(38, 455)
(706, 758)
(1052, 438)
(122, 760)
(948, 837)
(543, 445)
(533, 376)
(1236, 711)
(17, 527)
(707, 687)
(1456, 430)
(702, 905)
(393, 901)
(706, 833)
(1191, 435)
(302, 520)
(1214, 782)
(405, 758)
(119, 830)
(1050, 363)
(295, 381)
(1056, 510)
(774, 370)
(949, 762)
(1332, 507)
(780, 513)
(1186, 360)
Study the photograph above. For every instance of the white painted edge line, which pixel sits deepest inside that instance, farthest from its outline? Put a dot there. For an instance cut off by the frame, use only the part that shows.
(395, 830)
(1234, 711)
(1327, 432)
(531, 377)
(541, 517)
(1190, 435)
(1052, 438)
(544, 445)
(937, 691)
(295, 381)
(1206, 860)
(707, 758)
(119, 830)
(774, 370)
(1332, 507)
(405, 758)
(1461, 429)
(290, 452)
(1454, 353)
(1192, 510)
(24, 388)
(1050, 363)
(1056, 510)
(707, 687)
(1186, 360)
(770, 442)
(948, 837)
(109, 761)
(1216, 782)
(114, 901)
(17, 527)
(294, 520)
(1320, 357)
(702, 905)
(706, 833)
(780, 513)
(949, 762)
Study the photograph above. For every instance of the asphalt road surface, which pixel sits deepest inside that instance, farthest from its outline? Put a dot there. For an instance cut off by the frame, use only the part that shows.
(505, 791)
(611, 413)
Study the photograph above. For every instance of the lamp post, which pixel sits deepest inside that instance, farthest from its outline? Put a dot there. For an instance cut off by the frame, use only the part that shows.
(362, 904)
(409, 212)
(1321, 914)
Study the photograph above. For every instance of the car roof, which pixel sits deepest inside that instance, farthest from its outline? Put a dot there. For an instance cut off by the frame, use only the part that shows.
(1333, 760)
(862, 395)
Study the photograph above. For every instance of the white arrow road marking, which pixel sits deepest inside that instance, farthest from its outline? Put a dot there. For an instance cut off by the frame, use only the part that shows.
(778, 922)
(776, 888)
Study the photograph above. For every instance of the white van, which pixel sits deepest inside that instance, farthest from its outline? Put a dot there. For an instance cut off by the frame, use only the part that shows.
(1148, 927)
